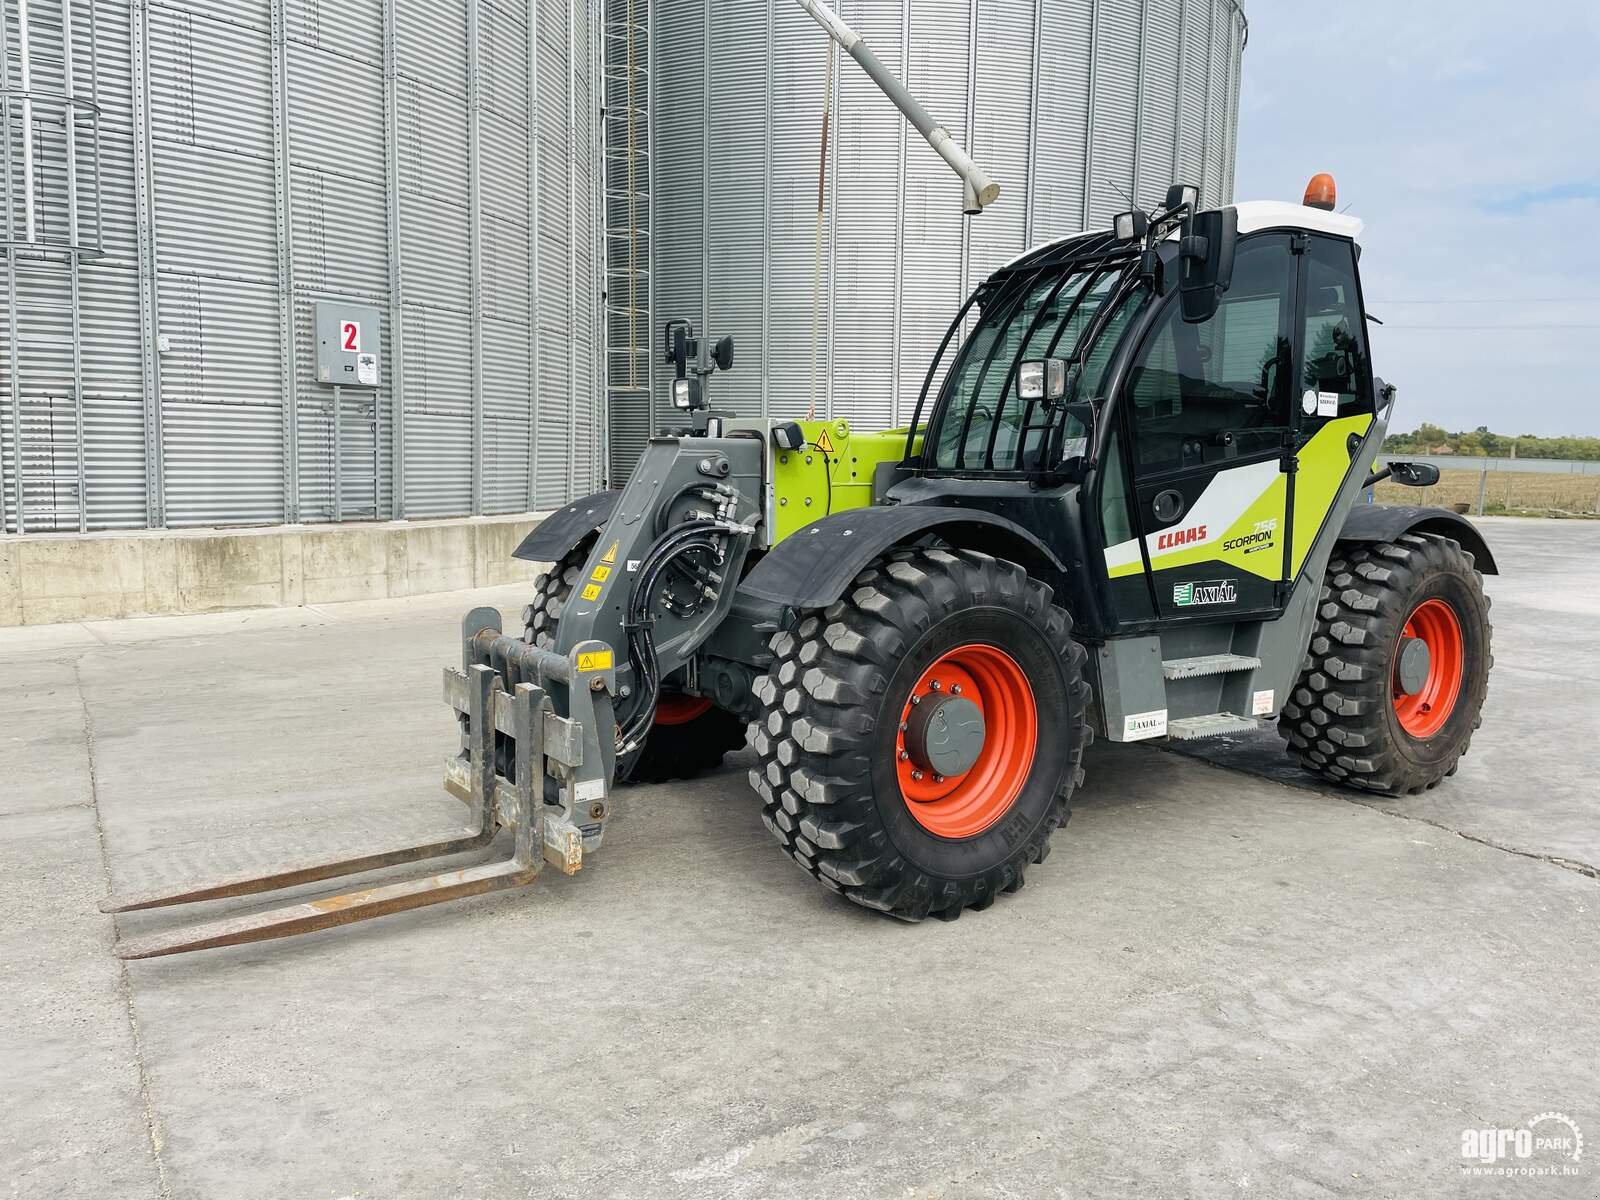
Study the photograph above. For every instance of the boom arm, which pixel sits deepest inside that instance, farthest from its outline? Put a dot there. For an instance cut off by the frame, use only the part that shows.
(977, 188)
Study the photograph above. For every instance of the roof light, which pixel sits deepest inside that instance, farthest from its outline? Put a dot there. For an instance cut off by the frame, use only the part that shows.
(1321, 192)
(1131, 225)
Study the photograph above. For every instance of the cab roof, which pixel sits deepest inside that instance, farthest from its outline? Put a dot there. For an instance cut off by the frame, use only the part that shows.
(1275, 214)
(1254, 215)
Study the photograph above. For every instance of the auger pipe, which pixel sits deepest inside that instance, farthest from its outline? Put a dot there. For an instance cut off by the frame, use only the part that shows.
(978, 190)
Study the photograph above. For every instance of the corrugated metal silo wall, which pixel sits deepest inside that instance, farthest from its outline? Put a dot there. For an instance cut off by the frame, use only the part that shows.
(397, 153)
(1074, 105)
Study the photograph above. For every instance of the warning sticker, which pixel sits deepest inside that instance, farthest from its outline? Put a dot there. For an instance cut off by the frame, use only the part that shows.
(591, 591)
(367, 369)
(1261, 704)
(601, 574)
(824, 442)
(610, 556)
(595, 660)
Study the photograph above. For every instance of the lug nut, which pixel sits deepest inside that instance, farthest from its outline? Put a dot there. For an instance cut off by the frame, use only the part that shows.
(904, 727)
(955, 689)
(904, 756)
(916, 699)
(938, 778)
(934, 686)
(917, 775)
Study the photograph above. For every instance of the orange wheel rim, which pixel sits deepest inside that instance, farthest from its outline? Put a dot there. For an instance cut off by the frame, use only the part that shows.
(964, 805)
(678, 709)
(1425, 712)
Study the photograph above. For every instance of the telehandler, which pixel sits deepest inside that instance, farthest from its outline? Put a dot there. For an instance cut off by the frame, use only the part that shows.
(1129, 502)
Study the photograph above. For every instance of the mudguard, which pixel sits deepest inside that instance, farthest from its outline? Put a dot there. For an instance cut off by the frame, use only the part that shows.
(563, 530)
(1385, 522)
(812, 567)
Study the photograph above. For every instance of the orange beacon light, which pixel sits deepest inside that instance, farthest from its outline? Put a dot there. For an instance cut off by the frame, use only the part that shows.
(1320, 192)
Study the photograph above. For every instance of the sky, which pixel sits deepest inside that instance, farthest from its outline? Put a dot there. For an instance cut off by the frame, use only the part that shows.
(1466, 134)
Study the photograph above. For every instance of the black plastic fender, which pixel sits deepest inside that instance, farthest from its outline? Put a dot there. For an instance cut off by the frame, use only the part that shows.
(1385, 522)
(563, 530)
(812, 567)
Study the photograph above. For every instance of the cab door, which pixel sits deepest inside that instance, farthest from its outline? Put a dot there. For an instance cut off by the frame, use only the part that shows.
(1209, 412)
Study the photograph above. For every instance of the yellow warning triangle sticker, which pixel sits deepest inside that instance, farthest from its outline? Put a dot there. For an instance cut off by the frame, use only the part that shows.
(824, 443)
(611, 554)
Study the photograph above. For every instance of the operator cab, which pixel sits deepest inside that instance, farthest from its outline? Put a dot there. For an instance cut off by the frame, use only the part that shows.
(1194, 379)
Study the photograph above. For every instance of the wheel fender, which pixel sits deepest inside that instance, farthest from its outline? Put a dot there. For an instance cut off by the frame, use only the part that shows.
(1385, 522)
(812, 567)
(561, 531)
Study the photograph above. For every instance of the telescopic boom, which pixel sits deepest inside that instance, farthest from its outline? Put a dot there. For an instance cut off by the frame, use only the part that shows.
(978, 190)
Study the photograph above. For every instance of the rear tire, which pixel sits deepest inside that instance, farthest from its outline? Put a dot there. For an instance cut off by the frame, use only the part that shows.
(1349, 718)
(684, 743)
(831, 777)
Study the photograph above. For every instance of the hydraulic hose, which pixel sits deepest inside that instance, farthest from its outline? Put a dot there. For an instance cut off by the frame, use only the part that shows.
(677, 541)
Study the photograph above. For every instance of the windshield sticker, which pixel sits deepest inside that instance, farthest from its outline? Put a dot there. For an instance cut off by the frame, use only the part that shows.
(1327, 404)
(1215, 591)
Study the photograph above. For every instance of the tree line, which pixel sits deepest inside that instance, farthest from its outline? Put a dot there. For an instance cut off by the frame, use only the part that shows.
(1479, 442)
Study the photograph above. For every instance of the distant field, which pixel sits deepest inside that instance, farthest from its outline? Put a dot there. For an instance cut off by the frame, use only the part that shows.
(1521, 493)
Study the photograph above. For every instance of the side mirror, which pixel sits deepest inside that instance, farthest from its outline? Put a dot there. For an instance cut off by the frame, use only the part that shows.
(722, 354)
(1205, 261)
(1412, 474)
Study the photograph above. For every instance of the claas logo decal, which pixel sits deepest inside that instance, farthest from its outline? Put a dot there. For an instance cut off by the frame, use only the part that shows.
(1174, 538)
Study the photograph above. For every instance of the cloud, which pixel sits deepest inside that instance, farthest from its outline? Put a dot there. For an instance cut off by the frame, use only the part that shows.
(1466, 140)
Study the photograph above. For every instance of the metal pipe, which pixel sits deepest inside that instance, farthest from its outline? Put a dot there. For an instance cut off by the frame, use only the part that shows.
(978, 190)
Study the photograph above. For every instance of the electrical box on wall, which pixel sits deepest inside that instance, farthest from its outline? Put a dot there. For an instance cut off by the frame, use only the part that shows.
(348, 340)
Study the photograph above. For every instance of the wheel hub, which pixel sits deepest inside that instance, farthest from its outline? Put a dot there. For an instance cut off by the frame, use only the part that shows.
(1429, 666)
(966, 742)
(1412, 666)
(945, 735)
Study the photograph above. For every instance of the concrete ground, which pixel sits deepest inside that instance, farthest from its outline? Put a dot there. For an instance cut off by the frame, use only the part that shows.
(1224, 981)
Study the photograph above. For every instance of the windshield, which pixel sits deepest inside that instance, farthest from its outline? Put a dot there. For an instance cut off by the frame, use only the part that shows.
(981, 423)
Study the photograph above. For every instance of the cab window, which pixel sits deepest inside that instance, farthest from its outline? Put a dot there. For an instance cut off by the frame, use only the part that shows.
(1199, 393)
(1336, 365)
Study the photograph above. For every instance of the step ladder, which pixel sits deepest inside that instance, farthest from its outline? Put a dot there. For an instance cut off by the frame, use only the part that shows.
(1220, 724)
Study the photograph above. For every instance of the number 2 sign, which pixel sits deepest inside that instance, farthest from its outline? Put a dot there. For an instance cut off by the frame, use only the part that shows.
(350, 336)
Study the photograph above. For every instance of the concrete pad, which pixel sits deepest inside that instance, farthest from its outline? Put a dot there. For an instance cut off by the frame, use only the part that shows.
(42, 765)
(1528, 781)
(72, 1116)
(1207, 988)
(25, 641)
(1216, 985)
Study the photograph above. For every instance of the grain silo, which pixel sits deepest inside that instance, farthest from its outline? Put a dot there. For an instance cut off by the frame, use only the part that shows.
(188, 186)
(1075, 106)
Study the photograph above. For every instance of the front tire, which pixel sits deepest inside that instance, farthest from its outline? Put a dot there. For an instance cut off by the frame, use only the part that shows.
(848, 774)
(1398, 667)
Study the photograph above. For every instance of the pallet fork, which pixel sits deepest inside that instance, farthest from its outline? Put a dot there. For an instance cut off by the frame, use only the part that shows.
(521, 768)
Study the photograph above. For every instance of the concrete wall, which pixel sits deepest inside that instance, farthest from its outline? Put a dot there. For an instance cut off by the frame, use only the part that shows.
(51, 578)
